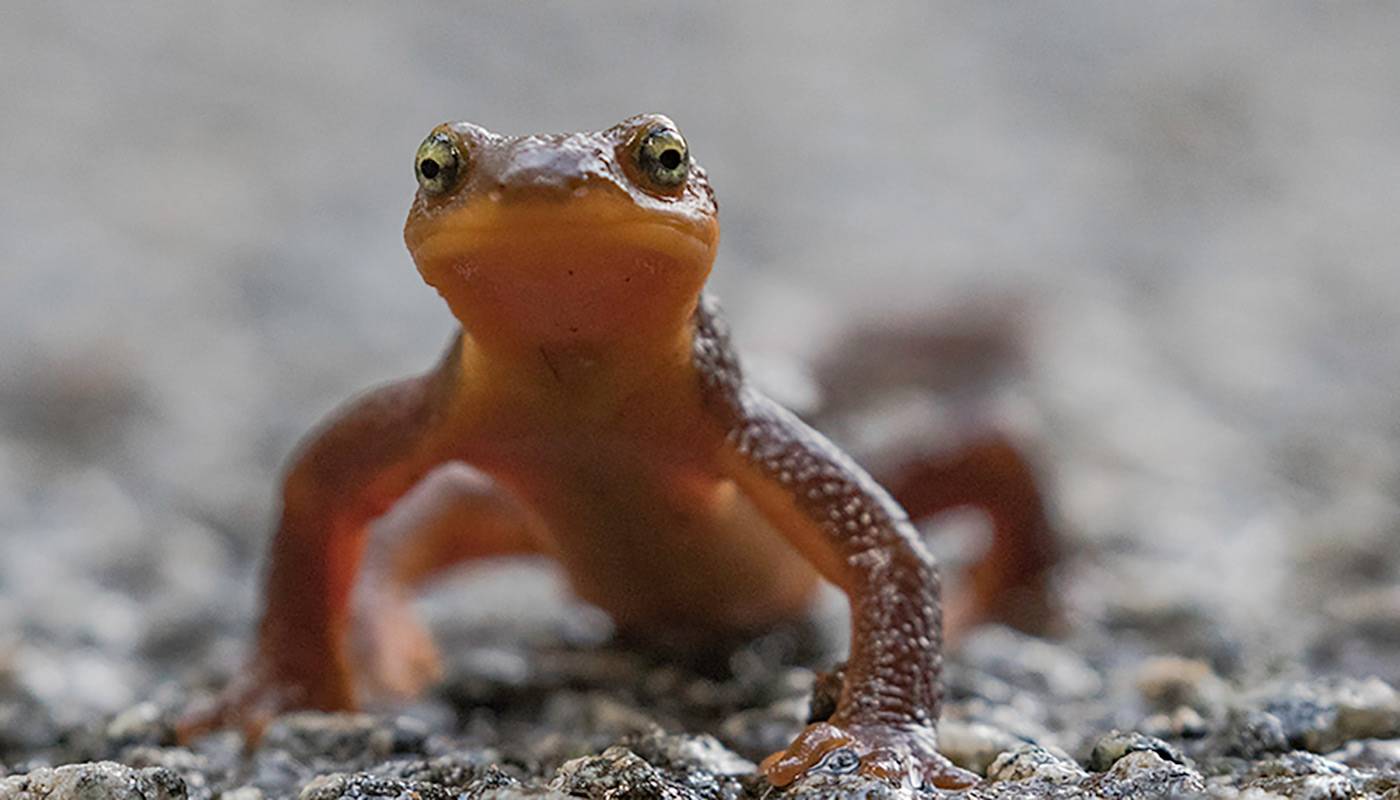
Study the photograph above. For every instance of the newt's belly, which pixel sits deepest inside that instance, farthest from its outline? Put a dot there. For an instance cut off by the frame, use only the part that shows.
(661, 545)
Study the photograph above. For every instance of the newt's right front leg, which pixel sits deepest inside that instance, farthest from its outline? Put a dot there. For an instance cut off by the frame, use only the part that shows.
(347, 474)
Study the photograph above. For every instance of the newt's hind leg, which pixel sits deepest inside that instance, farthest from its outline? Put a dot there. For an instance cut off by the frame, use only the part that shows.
(1010, 583)
(455, 515)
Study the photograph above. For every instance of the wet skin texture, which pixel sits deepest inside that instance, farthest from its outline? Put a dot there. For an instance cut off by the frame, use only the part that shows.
(592, 411)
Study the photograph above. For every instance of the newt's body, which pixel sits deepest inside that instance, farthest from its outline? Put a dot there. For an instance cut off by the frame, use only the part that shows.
(596, 396)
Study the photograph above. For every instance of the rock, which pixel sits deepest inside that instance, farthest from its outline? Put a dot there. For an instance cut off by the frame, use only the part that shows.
(1296, 764)
(1321, 716)
(1031, 664)
(700, 762)
(25, 721)
(1370, 754)
(692, 752)
(1112, 747)
(1168, 683)
(143, 723)
(974, 745)
(617, 774)
(457, 770)
(1251, 733)
(195, 770)
(342, 738)
(365, 787)
(760, 731)
(1033, 762)
(102, 780)
(369, 787)
(839, 787)
(1144, 773)
(1182, 723)
(1306, 775)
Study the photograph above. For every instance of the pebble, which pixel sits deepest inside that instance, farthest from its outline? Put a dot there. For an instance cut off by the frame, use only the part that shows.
(1319, 716)
(616, 773)
(974, 745)
(1033, 762)
(1031, 664)
(101, 780)
(1144, 773)
(1112, 747)
(1169, 682)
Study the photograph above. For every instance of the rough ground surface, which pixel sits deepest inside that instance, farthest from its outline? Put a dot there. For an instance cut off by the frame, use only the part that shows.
(1186, 211)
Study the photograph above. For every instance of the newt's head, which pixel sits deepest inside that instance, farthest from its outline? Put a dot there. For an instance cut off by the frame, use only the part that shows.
(583, 238)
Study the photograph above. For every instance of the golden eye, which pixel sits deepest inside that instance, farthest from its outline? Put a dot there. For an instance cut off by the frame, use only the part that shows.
(662, 158)
(439, 164)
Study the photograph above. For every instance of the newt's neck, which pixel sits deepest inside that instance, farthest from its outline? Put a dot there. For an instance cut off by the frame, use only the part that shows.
(583, 374)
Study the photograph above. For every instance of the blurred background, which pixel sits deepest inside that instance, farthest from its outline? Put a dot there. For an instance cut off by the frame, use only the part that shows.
(1184, 212)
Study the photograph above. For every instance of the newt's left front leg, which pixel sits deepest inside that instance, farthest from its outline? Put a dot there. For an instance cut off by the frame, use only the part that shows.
(861, 540)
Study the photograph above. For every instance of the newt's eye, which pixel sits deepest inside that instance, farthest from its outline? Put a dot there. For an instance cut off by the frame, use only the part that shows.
(439, 163)
(662, 158)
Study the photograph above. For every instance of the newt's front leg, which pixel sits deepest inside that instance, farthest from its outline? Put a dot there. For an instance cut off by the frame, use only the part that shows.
(346, 475)
(859, 539)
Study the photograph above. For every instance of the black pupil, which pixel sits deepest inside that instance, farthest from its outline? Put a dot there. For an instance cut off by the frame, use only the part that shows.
(670, 158)
(429, 168)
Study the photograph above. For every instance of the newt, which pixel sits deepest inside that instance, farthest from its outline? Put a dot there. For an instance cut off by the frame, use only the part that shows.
(593, 392)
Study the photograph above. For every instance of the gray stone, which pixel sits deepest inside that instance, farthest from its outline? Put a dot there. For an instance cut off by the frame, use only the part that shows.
(974, 745)
(102, 780)
(1115, 745)
(1144, 773)
(1033, 762)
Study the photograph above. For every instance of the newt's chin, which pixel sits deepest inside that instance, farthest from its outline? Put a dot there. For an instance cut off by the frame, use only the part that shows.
(554, 272)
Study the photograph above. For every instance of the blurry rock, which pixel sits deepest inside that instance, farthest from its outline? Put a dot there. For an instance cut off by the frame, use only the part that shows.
(1170, 682)
(1182, 723)
(827, 686)
(143, 723)
(1033, 762)
(1031, 664)
(1114, 746)
(101, 780)
(25, 722)
(342, 738)
(1370, 754)
(1322, 715)
(757, 732)
(1296, 764)
(1310, 777)
(1172, 623)
(595, 717)
(690, 753)
(974, 745)
(1251, 733)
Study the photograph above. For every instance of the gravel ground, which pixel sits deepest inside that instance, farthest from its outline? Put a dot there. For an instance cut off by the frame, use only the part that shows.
(1184, 212)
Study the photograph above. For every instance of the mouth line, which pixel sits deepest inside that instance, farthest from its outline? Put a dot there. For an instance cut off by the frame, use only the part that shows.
(457, 241)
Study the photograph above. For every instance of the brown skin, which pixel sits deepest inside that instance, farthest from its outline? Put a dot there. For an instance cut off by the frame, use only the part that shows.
(608, 426)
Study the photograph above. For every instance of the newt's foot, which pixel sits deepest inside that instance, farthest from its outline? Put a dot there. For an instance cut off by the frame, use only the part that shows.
(393, 653)
(900, 755)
